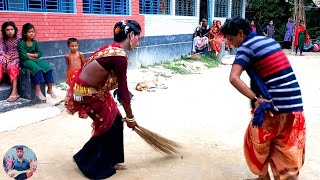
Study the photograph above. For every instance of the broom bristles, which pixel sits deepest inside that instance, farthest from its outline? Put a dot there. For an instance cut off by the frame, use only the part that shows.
(158, 142)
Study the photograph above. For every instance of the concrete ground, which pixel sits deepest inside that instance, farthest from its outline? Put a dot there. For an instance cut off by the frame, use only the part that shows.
(201, 111)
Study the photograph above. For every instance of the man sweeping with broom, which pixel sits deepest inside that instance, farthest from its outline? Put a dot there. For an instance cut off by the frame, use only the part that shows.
(90, 96)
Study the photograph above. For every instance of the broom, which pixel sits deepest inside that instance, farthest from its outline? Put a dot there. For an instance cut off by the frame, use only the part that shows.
(158, 142)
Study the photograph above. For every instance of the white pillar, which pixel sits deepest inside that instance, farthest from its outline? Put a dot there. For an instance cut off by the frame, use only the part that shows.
(173, 7)
(244, 3)
(229, 8)
(198, 9)
(213, 3)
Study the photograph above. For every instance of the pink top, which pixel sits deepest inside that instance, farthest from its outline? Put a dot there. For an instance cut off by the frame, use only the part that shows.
(10, 47)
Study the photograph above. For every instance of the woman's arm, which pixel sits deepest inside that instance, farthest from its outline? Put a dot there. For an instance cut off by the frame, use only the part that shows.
(120, 64)
(1, 48)
(83, 60)
(38, 52)
(23, 54)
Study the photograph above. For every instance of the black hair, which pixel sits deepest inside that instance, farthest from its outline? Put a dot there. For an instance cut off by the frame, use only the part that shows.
(198, 33)
(25, 28)
(123, 28)
(71, 40)
(301, 21)
(3, 30)
(232, 26)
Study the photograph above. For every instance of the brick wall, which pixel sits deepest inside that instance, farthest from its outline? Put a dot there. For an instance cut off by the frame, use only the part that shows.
(58, 26)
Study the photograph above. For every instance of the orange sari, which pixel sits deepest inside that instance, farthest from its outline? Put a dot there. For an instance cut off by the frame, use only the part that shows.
(280, 142)
(216, 40)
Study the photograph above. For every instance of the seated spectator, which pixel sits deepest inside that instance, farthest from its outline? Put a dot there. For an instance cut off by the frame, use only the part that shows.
(316, 45)
(308, 46)
(9, 57)
(200, 43)
(30, 53)
(216, 39)
(203, 28)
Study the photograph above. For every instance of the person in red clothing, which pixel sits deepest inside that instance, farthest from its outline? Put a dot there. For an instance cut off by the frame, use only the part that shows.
(90, 96)
(300, 37)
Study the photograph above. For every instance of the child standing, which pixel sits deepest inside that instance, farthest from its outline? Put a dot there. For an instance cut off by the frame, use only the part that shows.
(74, 60)
(30, 54)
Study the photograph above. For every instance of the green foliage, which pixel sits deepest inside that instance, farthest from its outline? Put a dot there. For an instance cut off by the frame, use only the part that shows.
(262, 11)
(176, 68)
(314, 32)
(267, 10)
(210, 61)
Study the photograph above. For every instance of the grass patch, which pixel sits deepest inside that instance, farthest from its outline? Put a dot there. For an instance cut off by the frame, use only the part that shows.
(176, 68)
(210, 62)
(162, 75)
(158, 64)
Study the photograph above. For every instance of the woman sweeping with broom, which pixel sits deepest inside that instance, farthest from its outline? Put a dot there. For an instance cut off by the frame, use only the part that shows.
(89, 95)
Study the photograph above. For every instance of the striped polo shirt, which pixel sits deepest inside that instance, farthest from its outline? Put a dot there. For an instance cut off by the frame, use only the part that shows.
(271, 64)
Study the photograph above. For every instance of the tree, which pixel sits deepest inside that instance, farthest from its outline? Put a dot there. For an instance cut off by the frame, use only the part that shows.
(262, 11)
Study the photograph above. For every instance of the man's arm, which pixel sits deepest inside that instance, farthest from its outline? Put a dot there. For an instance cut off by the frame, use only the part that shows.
(236, 81)
(264, 32)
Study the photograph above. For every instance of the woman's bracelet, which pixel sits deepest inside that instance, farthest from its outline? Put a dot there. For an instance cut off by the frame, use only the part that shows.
(130, 120)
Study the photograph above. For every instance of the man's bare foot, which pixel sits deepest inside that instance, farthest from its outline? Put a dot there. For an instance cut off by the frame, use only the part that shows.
(41, 96)
(120, 167)
(52, 94)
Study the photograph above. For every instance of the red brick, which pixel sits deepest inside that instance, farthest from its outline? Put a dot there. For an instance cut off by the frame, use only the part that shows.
(55, 26)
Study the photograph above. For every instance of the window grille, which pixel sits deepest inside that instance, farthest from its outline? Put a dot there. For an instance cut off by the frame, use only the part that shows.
(221, 8)
(115, 7)
(185, 8)
(2, 5)
(154, 6)
(62, 6)
(236, 8)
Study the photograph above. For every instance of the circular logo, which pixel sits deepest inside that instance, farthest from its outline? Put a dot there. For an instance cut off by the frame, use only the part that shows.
(20, 162)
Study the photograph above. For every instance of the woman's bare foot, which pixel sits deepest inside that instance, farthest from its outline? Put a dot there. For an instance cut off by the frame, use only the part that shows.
(267, 177)
(52, 94)
(40, 96)
(120, 167)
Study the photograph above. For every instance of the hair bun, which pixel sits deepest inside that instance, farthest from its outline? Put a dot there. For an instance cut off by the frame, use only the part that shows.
(121, 27)
(117, 30)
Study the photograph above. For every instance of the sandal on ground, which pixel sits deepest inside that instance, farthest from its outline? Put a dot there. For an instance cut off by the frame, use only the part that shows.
(13, 98)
